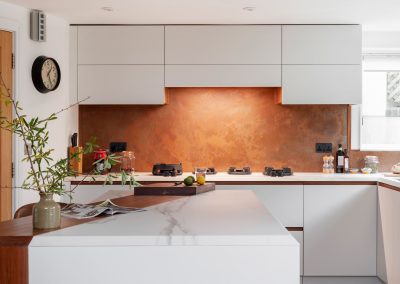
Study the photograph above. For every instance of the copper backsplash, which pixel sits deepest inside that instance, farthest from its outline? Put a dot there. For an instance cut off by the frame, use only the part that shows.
(222, 127)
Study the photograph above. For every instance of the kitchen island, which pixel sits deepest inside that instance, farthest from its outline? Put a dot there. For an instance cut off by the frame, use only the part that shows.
(216, 237)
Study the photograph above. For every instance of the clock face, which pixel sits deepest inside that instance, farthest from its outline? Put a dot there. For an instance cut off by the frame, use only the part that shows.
(46, 75)
(49, 74)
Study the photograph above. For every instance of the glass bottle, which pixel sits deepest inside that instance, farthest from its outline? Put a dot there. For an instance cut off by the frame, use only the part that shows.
(128, 162)
(339, 160)
(346, 161)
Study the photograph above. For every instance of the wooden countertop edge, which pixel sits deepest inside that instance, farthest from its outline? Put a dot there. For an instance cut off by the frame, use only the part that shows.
(250, 182)
(389, 186)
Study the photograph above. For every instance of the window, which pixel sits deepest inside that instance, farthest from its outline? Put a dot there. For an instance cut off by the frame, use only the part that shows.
(380, 110)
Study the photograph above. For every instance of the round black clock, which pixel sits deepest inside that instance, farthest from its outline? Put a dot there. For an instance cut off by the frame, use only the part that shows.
(46, 74)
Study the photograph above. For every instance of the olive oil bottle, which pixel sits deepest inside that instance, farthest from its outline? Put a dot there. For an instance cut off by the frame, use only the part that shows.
(339, 167)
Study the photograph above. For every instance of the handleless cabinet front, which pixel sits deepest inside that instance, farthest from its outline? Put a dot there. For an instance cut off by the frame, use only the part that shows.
(121, 45)
(223, 44)
(121, 84)
(321, 44)
(340, 229)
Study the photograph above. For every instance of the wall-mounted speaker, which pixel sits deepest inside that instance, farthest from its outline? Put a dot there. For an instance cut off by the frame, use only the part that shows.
(38, 25)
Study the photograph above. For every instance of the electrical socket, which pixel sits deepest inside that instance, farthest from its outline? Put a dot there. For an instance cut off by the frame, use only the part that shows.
(117, 147)
(323, 147)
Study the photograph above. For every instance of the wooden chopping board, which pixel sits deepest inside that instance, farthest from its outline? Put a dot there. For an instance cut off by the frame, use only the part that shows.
(172, 189)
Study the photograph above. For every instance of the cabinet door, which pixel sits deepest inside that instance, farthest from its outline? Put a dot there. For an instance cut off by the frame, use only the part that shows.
(299, 237)
(223, 44)
(321, 44)
(121, 45)
(285, 202)
(321, 84)
(222, 75)
(340, 230)
(121, 84)
(389, 202)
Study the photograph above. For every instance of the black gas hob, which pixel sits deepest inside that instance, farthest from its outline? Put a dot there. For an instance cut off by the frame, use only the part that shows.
(272, 172)
(167, 170)
(239, 171)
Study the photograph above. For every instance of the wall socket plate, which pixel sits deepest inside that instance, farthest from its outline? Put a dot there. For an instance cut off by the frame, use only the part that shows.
(117, 147)
(323, 147)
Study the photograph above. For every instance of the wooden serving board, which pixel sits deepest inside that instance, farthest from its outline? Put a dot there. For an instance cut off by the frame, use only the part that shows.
(172, 189)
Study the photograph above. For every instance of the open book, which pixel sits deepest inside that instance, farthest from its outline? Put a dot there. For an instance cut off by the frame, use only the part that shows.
(82, 211)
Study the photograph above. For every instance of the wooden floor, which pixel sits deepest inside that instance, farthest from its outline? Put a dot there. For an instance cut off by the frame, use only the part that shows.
(341, 280)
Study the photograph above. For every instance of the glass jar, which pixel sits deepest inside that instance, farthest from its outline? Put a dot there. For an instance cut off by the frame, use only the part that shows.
(128, 161)
(200, 172)
(372, 162)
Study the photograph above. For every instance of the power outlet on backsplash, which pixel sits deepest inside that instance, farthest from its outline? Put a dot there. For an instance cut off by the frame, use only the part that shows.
(117, 147)
(323, 147)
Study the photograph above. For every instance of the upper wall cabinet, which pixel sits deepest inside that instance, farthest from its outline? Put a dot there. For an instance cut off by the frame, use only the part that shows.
(321, 44)
(236, 44)
(321, 64)
(119, 64)
(121, 45)
(223, 56)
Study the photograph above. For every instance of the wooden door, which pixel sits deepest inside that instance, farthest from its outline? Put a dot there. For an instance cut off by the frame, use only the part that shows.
(6, 48)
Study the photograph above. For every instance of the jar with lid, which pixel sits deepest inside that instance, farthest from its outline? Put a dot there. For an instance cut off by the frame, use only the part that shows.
(372, 162)
(128, 161)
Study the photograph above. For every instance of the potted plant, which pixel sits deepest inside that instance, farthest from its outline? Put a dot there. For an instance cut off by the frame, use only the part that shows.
(46, 175)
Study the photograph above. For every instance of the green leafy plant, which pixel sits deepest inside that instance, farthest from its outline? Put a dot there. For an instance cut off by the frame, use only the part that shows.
(45, 174)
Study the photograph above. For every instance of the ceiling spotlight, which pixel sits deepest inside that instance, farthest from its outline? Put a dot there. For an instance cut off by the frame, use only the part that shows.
(249, 9)
(108, 9)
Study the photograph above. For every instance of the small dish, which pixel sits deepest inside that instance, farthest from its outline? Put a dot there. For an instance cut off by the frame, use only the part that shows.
(354, 171)
(366, 171)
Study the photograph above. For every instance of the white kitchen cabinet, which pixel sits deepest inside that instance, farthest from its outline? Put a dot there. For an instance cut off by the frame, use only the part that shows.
(285, 202)
(223, 44)
(389, 205)
(222, 75)
(340, 224)
(298, 235)
(121, 45)
(321, 44)
(321, 84)
(73, 64)
(121, 84)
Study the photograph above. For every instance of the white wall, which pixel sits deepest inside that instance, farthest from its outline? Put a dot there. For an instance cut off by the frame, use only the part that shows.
(381, 41)
(33, 102)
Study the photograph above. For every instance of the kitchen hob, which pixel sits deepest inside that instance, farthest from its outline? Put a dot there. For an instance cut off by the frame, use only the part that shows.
(167, 170)
(239, 171)
(272, 172)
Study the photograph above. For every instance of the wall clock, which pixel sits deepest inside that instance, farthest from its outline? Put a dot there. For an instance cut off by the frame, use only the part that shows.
(46, 75)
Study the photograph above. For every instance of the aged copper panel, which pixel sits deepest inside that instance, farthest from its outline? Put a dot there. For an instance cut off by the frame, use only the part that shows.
(220, 127)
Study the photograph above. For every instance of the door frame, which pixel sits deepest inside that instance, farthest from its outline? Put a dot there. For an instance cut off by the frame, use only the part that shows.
(14, 27)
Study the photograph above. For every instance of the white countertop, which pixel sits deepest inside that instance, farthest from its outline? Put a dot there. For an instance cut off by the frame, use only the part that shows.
(256, 176)
(213, 218)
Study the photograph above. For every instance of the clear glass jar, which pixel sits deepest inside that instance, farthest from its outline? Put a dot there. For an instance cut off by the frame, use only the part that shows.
(128, 161)
(200, 172)
(372, 162)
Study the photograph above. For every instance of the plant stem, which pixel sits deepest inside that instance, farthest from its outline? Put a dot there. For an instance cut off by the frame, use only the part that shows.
(23, 134)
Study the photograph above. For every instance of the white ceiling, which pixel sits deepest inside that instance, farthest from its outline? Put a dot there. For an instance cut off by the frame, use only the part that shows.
(372, 14)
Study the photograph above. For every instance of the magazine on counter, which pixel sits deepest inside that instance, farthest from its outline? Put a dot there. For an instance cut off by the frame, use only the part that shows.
(82, 211)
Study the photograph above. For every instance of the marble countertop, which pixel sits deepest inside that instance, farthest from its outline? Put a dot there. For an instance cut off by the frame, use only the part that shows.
(213, 218)
(256, 176)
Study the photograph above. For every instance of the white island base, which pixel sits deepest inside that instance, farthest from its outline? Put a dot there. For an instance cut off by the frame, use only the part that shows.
(218, 237)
